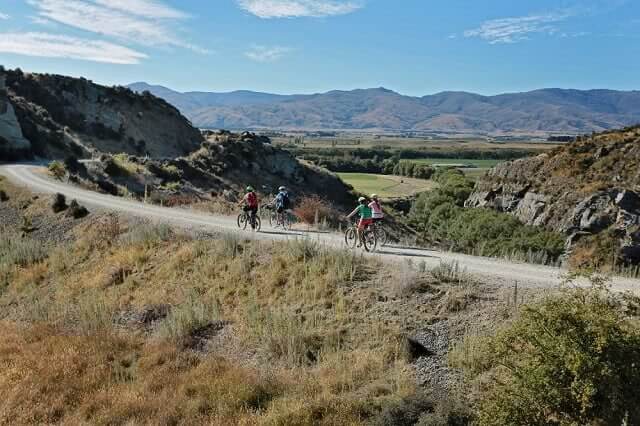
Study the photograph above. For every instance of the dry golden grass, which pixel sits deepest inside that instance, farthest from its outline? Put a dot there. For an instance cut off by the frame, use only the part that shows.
(103, 378)
(304, 354)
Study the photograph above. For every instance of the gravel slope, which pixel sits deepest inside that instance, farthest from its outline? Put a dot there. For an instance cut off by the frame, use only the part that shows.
(497, 271)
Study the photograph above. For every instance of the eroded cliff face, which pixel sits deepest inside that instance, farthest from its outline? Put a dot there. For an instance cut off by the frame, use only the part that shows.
(12, 142)
(587, 188)
(61, 116)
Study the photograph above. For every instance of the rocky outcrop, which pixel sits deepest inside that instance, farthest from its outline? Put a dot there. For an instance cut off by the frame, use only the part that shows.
(62, 116)
(582, 189)
(12, 142)
(220, 169)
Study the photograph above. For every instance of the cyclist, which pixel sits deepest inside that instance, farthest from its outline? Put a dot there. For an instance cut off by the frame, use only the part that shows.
(376, 208)
(282, 201)
(366, 214)
(250, 202)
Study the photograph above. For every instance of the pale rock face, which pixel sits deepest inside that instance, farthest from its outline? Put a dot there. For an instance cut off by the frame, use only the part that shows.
(10, 132)
(539, 193)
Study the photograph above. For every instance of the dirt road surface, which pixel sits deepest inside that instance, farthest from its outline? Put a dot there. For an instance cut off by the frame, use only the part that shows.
(498, 271)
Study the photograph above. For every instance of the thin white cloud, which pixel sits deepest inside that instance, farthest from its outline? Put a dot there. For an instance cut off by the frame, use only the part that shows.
(42, 21)
(513, 30)
(146, 8)
(260, 53)
(139, 21)
(58, 46)
(298, 8)
(4, 16)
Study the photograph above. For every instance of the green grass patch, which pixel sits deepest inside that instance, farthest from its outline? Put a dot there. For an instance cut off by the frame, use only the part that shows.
(463, 162)
(385, 186)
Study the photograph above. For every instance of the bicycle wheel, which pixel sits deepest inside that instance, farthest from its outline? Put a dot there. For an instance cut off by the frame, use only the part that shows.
(370, 240)
(351, 237)
(286, 222)
(242, 221)
(381, 236)
(258, 224)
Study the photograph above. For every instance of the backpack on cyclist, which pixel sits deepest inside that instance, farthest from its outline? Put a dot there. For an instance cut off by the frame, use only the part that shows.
(286, 202)
(282, 201)
(252, 199)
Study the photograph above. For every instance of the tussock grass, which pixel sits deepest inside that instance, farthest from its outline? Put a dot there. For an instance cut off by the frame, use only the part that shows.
(148, 234)
(462, 288)
(191, 315)
(18, 251)
(451, 273)
(289, 305)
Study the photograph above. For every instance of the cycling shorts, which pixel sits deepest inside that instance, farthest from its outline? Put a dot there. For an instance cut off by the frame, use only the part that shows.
(363, 223)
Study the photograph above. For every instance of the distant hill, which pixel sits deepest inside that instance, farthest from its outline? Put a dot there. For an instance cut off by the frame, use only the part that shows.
(537, 112)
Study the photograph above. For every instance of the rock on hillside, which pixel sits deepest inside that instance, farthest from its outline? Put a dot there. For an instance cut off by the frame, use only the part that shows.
(589, 190)
(221, 168)
(12, 143)
(61, 115)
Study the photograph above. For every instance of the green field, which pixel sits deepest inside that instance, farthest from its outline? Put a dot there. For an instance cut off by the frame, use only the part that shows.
(393, 144)
(386, 186)
(480, 164)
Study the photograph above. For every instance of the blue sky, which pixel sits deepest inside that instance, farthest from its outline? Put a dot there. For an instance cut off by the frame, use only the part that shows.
(415, 47)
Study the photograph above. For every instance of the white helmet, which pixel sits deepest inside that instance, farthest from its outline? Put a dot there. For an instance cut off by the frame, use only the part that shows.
(374, 196)
(361, 199)
(282, 188)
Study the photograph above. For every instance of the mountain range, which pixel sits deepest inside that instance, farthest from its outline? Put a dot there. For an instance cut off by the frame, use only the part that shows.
(544, 111)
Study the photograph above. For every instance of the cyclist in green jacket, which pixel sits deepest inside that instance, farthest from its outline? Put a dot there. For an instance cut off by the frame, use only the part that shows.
(366, 218)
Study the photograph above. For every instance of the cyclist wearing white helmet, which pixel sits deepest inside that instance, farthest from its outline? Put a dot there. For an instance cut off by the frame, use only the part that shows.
(282, 200)
(376, 208)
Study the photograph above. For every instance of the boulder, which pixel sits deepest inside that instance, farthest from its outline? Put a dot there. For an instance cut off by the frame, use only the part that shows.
(628, 201)
(630, 249)
(531, 208)
(12, 141)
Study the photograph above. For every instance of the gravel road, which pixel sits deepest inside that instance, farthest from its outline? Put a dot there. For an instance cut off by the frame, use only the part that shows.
(498, 271)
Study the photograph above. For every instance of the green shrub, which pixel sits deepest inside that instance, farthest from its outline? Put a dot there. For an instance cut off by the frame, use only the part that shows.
(59, 203)
(77, 211)
(57, 169)
(572, 359)
(440, 217)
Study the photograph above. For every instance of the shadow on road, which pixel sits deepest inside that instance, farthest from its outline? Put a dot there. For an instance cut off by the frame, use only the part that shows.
(406, 254)
(296, 234)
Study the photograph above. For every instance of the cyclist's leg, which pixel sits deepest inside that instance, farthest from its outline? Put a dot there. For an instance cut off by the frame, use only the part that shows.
(360, 228)
(253, 211)
(280, 212)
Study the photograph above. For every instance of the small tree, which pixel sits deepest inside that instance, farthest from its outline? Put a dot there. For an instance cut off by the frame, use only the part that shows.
(57, 169)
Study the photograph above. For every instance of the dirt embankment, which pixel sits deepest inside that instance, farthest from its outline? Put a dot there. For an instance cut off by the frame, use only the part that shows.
(589, 190)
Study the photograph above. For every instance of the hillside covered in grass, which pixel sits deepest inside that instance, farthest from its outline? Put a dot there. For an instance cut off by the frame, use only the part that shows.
(109, 320)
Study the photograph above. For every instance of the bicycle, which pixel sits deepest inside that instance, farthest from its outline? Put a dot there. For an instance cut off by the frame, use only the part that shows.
(369, 238)
(244, 219)
(381, 233)
(278, 220)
